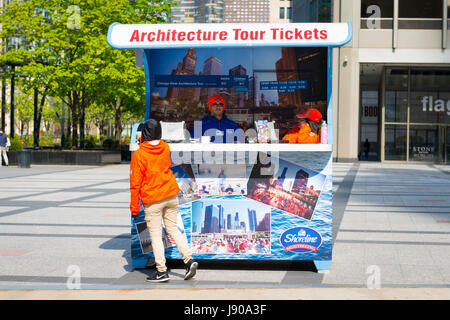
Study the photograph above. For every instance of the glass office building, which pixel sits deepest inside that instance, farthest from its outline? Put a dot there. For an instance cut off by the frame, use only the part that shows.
(393, 81)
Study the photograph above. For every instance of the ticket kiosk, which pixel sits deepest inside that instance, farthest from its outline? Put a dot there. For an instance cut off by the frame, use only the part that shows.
(256, 198)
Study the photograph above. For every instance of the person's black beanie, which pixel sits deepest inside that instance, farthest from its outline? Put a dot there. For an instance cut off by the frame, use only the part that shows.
(151, 130)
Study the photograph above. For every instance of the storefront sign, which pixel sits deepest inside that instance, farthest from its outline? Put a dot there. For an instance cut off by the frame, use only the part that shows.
(369, 114)
(134, 36)
(436, 105)
(423, 152)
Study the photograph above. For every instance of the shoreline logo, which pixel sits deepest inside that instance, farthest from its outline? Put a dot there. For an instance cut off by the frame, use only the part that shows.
(301, 240)
(438, 105)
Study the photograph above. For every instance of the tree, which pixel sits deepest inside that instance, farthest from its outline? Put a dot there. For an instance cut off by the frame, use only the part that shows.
(123, 87)
(65, 50)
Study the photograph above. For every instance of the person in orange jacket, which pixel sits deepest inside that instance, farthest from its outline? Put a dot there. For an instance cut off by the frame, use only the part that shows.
(152, 180)
(307, 129)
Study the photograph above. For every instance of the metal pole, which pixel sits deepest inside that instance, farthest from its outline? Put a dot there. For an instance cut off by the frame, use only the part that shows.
(395, 26)
(444, 23)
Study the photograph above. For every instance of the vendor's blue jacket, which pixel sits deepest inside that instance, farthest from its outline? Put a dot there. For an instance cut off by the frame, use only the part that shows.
(219, 130)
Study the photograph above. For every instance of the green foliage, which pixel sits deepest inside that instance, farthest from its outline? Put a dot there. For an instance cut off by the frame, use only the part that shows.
(47, 141)
(16, 144)
(109, 143)
(125, 140)
(64, 50)
(91, 141)
(67, 141)
(27, 141)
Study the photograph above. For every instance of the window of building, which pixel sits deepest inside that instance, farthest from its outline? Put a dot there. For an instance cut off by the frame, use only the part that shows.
(377, 14)
(385, 8)
(417, 114)
(448, 14)
(395, 142)
(289, 13)
(420, 9)
(281, 13)
(420, 14)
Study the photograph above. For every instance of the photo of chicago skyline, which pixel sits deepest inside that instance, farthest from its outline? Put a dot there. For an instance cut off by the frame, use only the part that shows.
(186, 181)
(230, 226)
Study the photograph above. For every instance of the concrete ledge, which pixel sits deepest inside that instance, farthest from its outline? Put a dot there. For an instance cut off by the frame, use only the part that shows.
(70, 157)
(233, 294)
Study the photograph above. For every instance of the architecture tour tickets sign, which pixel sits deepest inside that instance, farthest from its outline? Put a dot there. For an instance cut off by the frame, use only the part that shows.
(135, 36)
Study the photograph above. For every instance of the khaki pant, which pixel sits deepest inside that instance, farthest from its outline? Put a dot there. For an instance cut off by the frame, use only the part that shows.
(167, 211)
(4, 154)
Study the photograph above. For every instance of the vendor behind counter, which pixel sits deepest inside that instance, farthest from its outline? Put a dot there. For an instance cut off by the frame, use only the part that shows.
(307, 128)
(216, 125)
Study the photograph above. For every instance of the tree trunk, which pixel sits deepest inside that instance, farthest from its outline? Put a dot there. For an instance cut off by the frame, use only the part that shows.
(35, 122)
(82, 117)
(69, 116)
(3, 104)
(101, 127)
(13, 80)
(75, 108)
(62, 120)
(117, 121)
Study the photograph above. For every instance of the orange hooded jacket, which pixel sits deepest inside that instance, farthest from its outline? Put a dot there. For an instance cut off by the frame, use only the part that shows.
(302, 135)
(150, 175)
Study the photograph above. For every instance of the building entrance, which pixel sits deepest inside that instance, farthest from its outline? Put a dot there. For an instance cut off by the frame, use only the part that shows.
(416, 114)
(369, 119)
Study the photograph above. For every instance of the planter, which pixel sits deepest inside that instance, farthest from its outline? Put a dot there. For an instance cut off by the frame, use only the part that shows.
(69, 157)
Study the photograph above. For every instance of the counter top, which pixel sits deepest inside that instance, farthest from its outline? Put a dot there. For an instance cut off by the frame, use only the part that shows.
(249, 147)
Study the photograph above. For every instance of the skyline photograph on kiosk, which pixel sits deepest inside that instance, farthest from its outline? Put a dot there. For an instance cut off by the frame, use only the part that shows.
(145, 240)
(263, 83)
(186, 181)
(292, 188)
(230, 227)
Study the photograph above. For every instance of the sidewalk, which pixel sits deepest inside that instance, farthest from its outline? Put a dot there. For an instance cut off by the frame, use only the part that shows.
(391, 229)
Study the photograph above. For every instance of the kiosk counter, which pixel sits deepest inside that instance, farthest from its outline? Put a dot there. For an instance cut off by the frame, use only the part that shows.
(258, 200)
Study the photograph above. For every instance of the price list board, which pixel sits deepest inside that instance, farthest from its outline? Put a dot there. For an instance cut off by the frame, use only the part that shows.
(239, 83)
(283, 86)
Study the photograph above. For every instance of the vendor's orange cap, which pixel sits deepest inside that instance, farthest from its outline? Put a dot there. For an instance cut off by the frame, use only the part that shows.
(215, 99)
(311, 114)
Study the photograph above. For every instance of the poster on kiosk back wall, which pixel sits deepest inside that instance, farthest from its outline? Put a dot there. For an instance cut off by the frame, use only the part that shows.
(279, 209)
(263, 83)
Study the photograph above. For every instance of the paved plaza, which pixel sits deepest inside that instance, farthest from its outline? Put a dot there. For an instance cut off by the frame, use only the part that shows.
(391, 229)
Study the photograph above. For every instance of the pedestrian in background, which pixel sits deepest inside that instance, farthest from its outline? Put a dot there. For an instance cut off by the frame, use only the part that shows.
(4, 145)
(153, 181)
